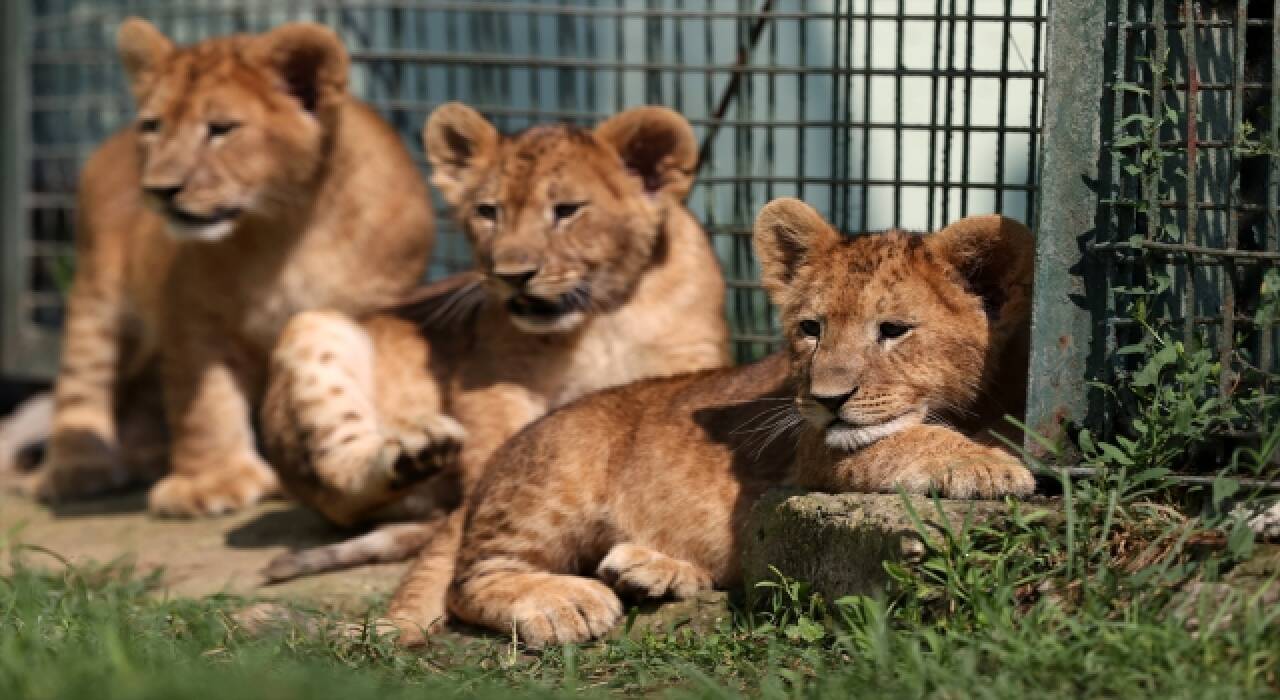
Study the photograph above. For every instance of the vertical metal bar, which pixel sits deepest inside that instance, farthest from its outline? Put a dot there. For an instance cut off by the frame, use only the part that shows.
(1226, 341)
(13, 184)
(948, 113)
(1061, 321)
(935, 176)
(802, 28)
(1266, 349)
(1033, 138)
(1157, 68)
(837, 129)
(1190, 10)
(864, 195)
(897, 115)
(1001, 108)
(968, 110)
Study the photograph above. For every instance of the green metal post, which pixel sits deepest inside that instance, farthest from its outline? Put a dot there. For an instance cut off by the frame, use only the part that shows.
(13, 183)
(1069, 216)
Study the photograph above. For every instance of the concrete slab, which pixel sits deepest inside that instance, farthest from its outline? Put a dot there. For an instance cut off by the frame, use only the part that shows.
(838, 543)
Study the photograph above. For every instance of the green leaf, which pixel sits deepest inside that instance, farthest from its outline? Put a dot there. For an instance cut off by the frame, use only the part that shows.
(1114, 453)
(1224, 488)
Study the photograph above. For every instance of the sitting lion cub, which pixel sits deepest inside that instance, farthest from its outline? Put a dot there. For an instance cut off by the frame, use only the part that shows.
(590, 273)
(891, 340)
(252, 186)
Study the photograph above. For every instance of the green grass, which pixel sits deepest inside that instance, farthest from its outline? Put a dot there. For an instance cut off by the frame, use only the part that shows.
(1085, 599)
(1009, 609)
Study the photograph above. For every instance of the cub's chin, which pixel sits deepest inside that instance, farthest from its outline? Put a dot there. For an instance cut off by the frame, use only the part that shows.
(840, 435)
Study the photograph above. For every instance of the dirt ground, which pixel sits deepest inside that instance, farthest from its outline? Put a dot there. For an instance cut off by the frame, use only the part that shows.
(226, 555)
(196, 557)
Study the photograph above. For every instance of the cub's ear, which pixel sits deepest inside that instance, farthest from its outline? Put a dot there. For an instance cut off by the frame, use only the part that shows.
(657, 144)
(788, 236)
(143, 50)
(996, 257)
(460, 143)
(309, 60)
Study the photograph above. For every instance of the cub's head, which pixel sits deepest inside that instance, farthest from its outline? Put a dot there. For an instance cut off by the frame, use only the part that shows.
(562, 220)
(231, 127)
(888, 330)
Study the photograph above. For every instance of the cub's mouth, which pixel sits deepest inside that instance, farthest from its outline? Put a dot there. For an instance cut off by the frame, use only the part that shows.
(558, 314)
(188, 226)
(220, 215)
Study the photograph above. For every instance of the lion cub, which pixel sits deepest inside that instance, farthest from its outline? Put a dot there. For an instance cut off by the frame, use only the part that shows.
(891, 339)
(251, 187)
(590, 273)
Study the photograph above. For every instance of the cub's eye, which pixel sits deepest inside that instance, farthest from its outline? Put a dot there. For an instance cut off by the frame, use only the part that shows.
(217, 129)
(892, 329)
(150, 125)
(811, 328)
(565, 210)
(488, 212)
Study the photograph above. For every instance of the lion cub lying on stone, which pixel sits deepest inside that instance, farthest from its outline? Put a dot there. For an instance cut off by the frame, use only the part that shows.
(898, 348)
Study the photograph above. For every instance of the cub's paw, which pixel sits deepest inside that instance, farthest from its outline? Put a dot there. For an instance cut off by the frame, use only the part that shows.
(76, 469)
(977, 472)
(564, 610)
(421, 451)
(214, 490)
(642, 571)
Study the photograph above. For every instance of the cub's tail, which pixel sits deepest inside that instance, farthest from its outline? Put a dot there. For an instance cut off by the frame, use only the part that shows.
(385, 544)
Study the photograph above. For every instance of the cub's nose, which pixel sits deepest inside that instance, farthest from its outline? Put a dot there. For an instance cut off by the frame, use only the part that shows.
(515, 278)
(164, 193)
(835, 401)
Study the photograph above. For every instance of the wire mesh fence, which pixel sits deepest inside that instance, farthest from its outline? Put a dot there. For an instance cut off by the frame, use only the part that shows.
(880, 113)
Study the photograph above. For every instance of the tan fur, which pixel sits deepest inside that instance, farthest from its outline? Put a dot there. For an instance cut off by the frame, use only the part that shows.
(647, 485)
(628, 278)
(252, 187)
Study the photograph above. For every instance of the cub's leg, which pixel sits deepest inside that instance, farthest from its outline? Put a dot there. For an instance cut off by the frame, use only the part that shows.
(83, 456)
(646, 572)
(492, 415)
(209, 387)
(920, 459)
(352, 414)
(541, 608)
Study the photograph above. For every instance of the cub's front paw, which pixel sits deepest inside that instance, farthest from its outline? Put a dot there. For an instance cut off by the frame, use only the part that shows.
(564, 610)
(423, 450)
(974, 472)
(642, 571)
(214, 490)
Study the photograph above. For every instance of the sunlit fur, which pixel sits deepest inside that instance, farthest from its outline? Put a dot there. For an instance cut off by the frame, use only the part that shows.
(648, 485)
(353, 425)
(507, 191)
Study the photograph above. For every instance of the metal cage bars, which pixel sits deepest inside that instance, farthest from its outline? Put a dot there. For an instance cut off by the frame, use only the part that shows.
(1160, 169)
(879, 112)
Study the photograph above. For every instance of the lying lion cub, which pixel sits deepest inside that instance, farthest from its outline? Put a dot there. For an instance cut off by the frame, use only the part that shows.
(892, 339)
(252, 186)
